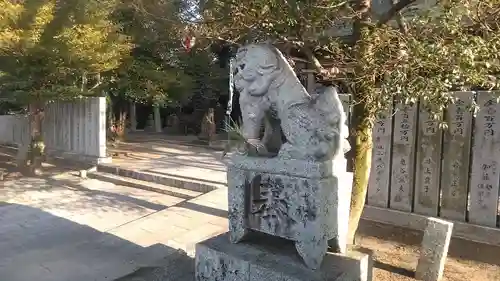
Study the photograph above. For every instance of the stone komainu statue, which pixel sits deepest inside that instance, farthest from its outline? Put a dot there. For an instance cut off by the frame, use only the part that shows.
(291, 183)
(291, 187)
(271, 93)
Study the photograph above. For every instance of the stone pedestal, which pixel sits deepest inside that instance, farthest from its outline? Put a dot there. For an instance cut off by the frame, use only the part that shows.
(298, 200)
(263, 257)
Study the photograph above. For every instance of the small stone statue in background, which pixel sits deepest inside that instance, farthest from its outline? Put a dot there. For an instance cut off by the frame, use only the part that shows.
(208, 130)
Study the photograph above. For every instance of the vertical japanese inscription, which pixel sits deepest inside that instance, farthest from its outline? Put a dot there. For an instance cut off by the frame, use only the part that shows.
(456, 158)
(428, 165)
(378, 187)
(403, 157)
(486, 154)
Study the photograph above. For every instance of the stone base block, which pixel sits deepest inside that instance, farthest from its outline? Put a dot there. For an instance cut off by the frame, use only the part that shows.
(312, 211)
(264, 257)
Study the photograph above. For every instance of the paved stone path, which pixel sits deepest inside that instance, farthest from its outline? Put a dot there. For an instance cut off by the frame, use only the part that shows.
(171, 159)
(68, 229)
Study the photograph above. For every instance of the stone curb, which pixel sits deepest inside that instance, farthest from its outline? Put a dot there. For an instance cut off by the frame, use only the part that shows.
(148, 186)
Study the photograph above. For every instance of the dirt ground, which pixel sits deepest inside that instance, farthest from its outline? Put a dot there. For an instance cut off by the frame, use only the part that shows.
(397, 249)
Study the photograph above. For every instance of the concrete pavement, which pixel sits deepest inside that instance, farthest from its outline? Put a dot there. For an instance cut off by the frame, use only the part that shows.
(71, 229)
(173, 160)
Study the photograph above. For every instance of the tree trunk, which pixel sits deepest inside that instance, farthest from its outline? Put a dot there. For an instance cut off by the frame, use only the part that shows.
(362, 133)
(362, 116)
(133, 117)
(37, 146)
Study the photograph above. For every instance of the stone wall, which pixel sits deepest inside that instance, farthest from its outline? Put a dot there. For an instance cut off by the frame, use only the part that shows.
(71, 129)
(420, 168)
(14, 129)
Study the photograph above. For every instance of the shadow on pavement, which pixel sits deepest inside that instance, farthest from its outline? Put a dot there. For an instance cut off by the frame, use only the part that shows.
(10, 169)
(38, 245)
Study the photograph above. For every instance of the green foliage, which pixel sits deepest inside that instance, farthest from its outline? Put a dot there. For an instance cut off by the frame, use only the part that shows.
(289, 20)
(143, 78)
(414, 56)
(69, 49)
(57, 49)
(444, 50)
(159, 69)
(209, 80)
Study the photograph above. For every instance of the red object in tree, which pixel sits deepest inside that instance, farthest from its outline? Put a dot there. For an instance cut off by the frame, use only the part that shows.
(188, 42)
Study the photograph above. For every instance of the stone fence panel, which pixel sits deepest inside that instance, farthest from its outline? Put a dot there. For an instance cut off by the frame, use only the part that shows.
(74, 130)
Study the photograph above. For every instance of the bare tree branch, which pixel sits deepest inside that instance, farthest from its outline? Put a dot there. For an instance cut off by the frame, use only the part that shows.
(312, 59)
(396, 8)
(336, 6)
(327, 73)
(97, 84)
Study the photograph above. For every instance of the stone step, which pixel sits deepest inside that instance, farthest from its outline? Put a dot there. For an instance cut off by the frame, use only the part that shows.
(145, 185)
(187, 183)
(9, 148)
